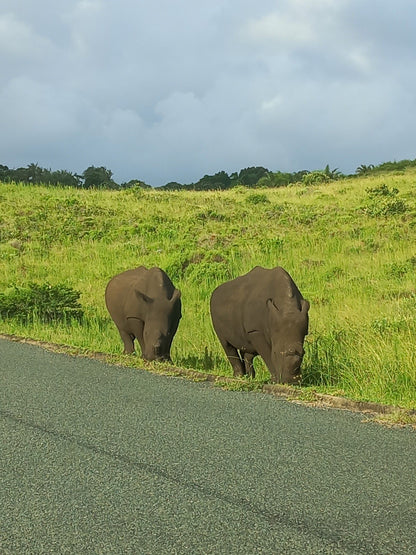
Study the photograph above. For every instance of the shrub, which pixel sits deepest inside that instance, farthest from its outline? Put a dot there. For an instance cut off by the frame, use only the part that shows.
(257, 198)
(400, 269)
(210, 214)
(384, 202)
(208, 272)
(315, 177)
(381, 191)
(46, 302)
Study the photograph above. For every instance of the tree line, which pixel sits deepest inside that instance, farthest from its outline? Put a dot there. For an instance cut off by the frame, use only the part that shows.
(256, 176)
(92, 178)
(102, 178)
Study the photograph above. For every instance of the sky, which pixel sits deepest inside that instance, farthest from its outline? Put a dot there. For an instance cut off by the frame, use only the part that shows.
(172, 90)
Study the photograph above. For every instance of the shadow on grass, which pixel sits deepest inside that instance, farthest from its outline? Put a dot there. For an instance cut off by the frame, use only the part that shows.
(206, 362)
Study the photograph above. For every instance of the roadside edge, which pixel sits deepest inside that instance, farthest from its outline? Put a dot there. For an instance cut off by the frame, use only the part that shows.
(401, 416)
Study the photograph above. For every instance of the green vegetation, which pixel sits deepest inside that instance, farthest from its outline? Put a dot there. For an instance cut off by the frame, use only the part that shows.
(45, 302)
(255, 176)
(92, 178)
(348, 243)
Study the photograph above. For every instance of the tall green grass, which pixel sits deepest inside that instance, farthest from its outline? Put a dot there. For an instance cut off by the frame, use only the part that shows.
(348, 244)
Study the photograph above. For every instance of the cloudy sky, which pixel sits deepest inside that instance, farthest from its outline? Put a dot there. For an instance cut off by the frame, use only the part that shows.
(171, 90)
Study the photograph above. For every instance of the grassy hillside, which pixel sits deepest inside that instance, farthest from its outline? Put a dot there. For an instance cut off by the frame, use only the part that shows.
(349, 245)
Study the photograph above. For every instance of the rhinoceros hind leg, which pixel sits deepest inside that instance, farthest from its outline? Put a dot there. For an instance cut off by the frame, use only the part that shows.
(234, 358)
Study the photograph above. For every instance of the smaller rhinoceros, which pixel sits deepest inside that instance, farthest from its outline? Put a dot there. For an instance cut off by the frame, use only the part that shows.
(262, 313)
(145, 305)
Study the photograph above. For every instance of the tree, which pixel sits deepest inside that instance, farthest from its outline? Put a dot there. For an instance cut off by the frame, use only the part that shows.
(98, 177)
(4, 173)
(276, 179)
(234, 178)
(172, 186)
(315, 177)
(363, 169)
(135, 183)
(20, 174)
(332, 174)
(34, 173)
(298, 176)
(66, 178)
(250, 176)
(220, 180)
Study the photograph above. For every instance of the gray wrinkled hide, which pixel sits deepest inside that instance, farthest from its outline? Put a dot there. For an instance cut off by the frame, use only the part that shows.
(262, 313)
(145, 305)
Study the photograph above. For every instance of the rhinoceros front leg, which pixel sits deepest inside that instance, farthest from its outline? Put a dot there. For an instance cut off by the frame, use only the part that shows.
(136, 327)
(234, 358)
(248, 364)
(262, 348)
(128, 341)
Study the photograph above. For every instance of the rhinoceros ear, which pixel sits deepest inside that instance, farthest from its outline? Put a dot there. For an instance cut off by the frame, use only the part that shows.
(304, 305)
(176, 295)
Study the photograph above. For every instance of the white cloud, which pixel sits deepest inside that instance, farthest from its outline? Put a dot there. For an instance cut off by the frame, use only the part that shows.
(276, 28)
(294, 23)
(179, 106)
(83, 21)
(271, 105)
(18, 41)
(171, 90)
(360, 60)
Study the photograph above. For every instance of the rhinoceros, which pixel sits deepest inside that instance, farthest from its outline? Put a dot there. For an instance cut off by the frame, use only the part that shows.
(145, 305)
(262, 313)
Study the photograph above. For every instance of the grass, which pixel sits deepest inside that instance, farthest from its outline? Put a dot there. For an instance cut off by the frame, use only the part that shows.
(348, 244)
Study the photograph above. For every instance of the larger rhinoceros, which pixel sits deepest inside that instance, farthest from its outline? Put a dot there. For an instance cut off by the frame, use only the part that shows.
(145, 305)
(262, 313)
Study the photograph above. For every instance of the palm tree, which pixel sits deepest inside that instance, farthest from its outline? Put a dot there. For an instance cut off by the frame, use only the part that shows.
(363, 169)
(332, 174)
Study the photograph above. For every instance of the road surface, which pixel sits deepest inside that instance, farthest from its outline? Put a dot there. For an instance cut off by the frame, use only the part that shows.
(101, 459)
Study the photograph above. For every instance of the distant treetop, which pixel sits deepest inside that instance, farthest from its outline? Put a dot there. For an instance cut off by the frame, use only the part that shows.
(254, 176)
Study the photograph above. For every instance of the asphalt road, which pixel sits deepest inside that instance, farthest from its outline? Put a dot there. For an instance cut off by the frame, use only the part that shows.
(100, 459)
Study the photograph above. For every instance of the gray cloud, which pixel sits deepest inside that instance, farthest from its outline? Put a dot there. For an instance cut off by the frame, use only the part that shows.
(173, 90)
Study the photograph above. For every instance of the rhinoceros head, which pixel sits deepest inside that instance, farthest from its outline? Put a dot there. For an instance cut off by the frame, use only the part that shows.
(288, 327)
(160, 325)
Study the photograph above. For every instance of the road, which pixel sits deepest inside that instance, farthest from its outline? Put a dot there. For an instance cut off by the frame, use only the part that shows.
(98, 459)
